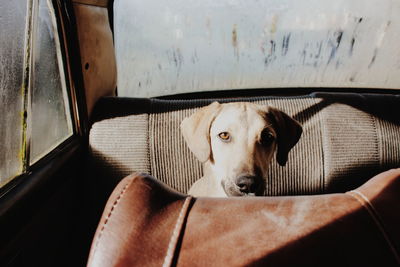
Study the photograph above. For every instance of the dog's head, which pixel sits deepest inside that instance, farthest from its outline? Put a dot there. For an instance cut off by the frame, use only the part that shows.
(238, 141)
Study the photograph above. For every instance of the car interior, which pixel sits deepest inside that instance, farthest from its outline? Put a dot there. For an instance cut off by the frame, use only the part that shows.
(95, 171)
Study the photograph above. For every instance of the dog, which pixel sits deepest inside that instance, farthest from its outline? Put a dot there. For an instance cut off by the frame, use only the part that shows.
(236, 143)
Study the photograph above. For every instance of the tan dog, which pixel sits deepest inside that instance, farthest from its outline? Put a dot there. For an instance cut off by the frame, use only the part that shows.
(236, 142)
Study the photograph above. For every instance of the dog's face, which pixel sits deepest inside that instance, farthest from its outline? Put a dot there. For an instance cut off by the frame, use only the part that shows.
(238, 141)
(243, 141)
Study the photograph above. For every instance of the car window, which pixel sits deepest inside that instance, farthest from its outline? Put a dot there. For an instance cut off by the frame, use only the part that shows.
(50, 108)
(169, 47)
(12, 32)
(34, 111)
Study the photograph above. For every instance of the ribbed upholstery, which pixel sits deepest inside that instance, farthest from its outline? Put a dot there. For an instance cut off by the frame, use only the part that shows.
(347, 138)
(389, 142)
(121, 144)
(350, 142)
(291, 178)
(179, 170)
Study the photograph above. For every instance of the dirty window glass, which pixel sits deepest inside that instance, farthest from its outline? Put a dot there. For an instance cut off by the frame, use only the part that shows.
(34, 105)
(12, 33)
(50, 121)
(178, 46)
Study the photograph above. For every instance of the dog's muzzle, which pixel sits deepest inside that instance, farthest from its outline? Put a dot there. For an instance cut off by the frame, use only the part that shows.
(245, 185)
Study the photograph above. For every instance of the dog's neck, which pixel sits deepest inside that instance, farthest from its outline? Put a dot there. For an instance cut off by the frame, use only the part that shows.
(213, 184)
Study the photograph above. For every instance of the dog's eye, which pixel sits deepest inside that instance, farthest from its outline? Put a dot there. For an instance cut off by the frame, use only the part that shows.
(267, 137)
(224, 136)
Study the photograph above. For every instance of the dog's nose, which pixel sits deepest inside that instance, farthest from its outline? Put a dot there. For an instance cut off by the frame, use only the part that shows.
(248, 184)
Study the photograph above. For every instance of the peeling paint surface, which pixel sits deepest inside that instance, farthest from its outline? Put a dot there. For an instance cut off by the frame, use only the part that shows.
(188, 46)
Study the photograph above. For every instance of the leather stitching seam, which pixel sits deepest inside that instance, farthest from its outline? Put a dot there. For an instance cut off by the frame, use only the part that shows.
(177, 232)
(117, 200)
(364, 201)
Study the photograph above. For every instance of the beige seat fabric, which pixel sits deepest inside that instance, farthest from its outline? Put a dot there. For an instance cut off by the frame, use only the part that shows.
(347, 138)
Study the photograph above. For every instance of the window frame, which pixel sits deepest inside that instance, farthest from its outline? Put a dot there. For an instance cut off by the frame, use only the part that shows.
(66, 45)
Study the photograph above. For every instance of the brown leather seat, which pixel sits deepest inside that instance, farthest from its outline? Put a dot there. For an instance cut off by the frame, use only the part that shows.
(145, 223)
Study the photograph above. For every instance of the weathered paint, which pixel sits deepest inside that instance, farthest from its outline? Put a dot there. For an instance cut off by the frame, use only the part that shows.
(187, 46)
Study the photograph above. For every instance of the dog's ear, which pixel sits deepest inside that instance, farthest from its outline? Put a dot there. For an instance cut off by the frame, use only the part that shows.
(196, 130)
(288, 133)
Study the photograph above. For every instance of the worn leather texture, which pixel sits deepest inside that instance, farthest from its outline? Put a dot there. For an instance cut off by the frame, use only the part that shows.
(145, 223)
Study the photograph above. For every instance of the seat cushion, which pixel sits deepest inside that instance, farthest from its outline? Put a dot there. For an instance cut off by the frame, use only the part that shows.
(346, 139)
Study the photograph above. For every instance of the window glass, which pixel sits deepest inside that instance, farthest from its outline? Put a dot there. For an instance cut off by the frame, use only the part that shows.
(50, 121)
(12, 36)
(180, 46)
(35, 115)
